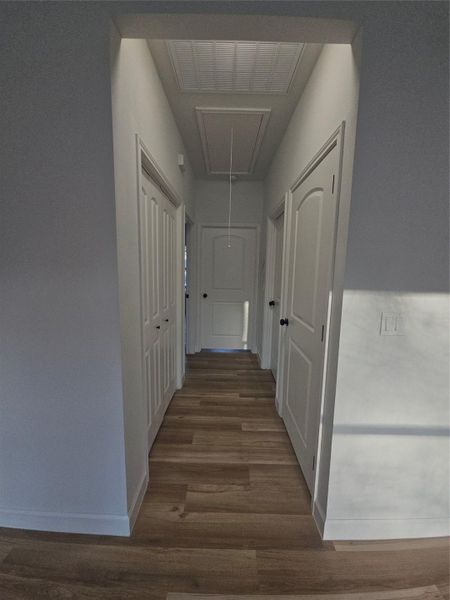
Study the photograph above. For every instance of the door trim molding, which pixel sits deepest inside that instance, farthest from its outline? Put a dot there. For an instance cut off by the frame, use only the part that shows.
(199, 235)
(269, 284)
(329, 367)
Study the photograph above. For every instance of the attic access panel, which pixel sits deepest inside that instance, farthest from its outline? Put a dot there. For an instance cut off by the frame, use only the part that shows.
(235, 67)
(215, 125)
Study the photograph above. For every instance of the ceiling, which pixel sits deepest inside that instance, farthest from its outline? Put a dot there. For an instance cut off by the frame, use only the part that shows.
(247, 90)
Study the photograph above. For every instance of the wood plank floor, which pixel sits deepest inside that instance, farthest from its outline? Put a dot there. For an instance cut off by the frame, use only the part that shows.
(227, 512)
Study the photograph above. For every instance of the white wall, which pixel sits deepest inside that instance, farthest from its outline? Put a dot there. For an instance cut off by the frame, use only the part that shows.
(211, 201)
(139, 107)
(61, 422)
(388, 465)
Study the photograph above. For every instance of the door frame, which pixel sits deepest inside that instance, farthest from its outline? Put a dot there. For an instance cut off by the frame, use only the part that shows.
(269, 284)
(191, 245)
(333, 321)
(199, 234)
(145, 161)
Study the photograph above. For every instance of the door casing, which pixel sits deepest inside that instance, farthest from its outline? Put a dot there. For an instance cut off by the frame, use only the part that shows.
(252, 324)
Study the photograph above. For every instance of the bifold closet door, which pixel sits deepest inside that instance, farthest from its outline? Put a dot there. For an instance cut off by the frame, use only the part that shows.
(158, 278)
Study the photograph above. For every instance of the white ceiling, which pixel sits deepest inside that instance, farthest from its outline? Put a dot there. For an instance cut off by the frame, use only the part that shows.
(259, 120)
(231, 136)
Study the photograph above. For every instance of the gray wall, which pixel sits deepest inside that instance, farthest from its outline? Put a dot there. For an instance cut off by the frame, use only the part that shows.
(389, 470)
(61, 422)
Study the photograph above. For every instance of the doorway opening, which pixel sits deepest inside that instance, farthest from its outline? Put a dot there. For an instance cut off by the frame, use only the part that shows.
(248, 266)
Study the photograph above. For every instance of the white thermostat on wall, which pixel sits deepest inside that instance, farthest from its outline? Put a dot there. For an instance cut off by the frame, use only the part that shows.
(181, 162)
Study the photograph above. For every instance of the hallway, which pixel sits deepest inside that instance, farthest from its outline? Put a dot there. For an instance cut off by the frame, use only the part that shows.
(227, 512)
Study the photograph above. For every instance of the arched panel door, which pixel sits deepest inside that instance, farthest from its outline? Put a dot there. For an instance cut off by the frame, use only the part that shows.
(310, 261)
(228, 277)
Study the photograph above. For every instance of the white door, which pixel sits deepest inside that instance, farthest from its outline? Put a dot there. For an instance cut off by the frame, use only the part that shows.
(168, 287)
(227, 288)
(310, 260)
(157, 255)
(276, 300)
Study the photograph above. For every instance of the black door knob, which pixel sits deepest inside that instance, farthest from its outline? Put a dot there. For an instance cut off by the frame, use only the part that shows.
(284, 321)
(158, 327)
(166, 320)
(205, 295)
(272, 303)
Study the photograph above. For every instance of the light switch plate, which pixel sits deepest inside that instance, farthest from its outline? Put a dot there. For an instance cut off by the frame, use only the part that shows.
(391, 324)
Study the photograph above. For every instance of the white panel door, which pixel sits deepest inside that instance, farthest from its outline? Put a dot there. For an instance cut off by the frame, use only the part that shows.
(158, 279)
(279, 237)
(228, 277)
(168, 287)
(310, 260)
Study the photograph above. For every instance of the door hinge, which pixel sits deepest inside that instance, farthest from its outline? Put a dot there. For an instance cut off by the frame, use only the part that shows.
(323, 332)
(314, 462)
(332, 185)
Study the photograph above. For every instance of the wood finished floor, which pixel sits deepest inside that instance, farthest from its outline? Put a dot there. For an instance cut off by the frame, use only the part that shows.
(227, 512)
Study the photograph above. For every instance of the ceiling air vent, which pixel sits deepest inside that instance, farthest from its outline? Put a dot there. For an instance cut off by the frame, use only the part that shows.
(234, 67)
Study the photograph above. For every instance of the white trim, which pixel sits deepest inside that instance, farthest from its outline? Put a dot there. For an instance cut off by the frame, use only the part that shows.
(199, 231)
(149, 164)
(66, 522)
(201, 111)
(385, 529)
(319, 517)
(137, 500)
(283, 302)
(180, 219)
(191, 338)
(266, 353)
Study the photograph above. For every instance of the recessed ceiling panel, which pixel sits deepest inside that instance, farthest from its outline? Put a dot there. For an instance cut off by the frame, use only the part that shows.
(216, 124)
(234, 67)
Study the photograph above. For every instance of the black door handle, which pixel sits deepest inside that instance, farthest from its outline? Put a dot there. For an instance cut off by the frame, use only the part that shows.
(166, 320)
(205, 295)
(284, 321)
(158, 327)
(272, 303)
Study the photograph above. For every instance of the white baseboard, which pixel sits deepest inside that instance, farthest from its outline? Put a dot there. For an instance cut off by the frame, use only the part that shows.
(137, 501)
(319, 518)
(384, 529)
(66, 522)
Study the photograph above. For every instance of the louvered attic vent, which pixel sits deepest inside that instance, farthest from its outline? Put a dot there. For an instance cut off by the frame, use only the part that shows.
(235, 67)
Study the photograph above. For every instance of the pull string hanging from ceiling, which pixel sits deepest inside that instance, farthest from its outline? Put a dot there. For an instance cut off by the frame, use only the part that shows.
(231, 186)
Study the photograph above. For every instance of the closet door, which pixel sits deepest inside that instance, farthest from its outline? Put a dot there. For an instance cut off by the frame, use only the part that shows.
(157, 229)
